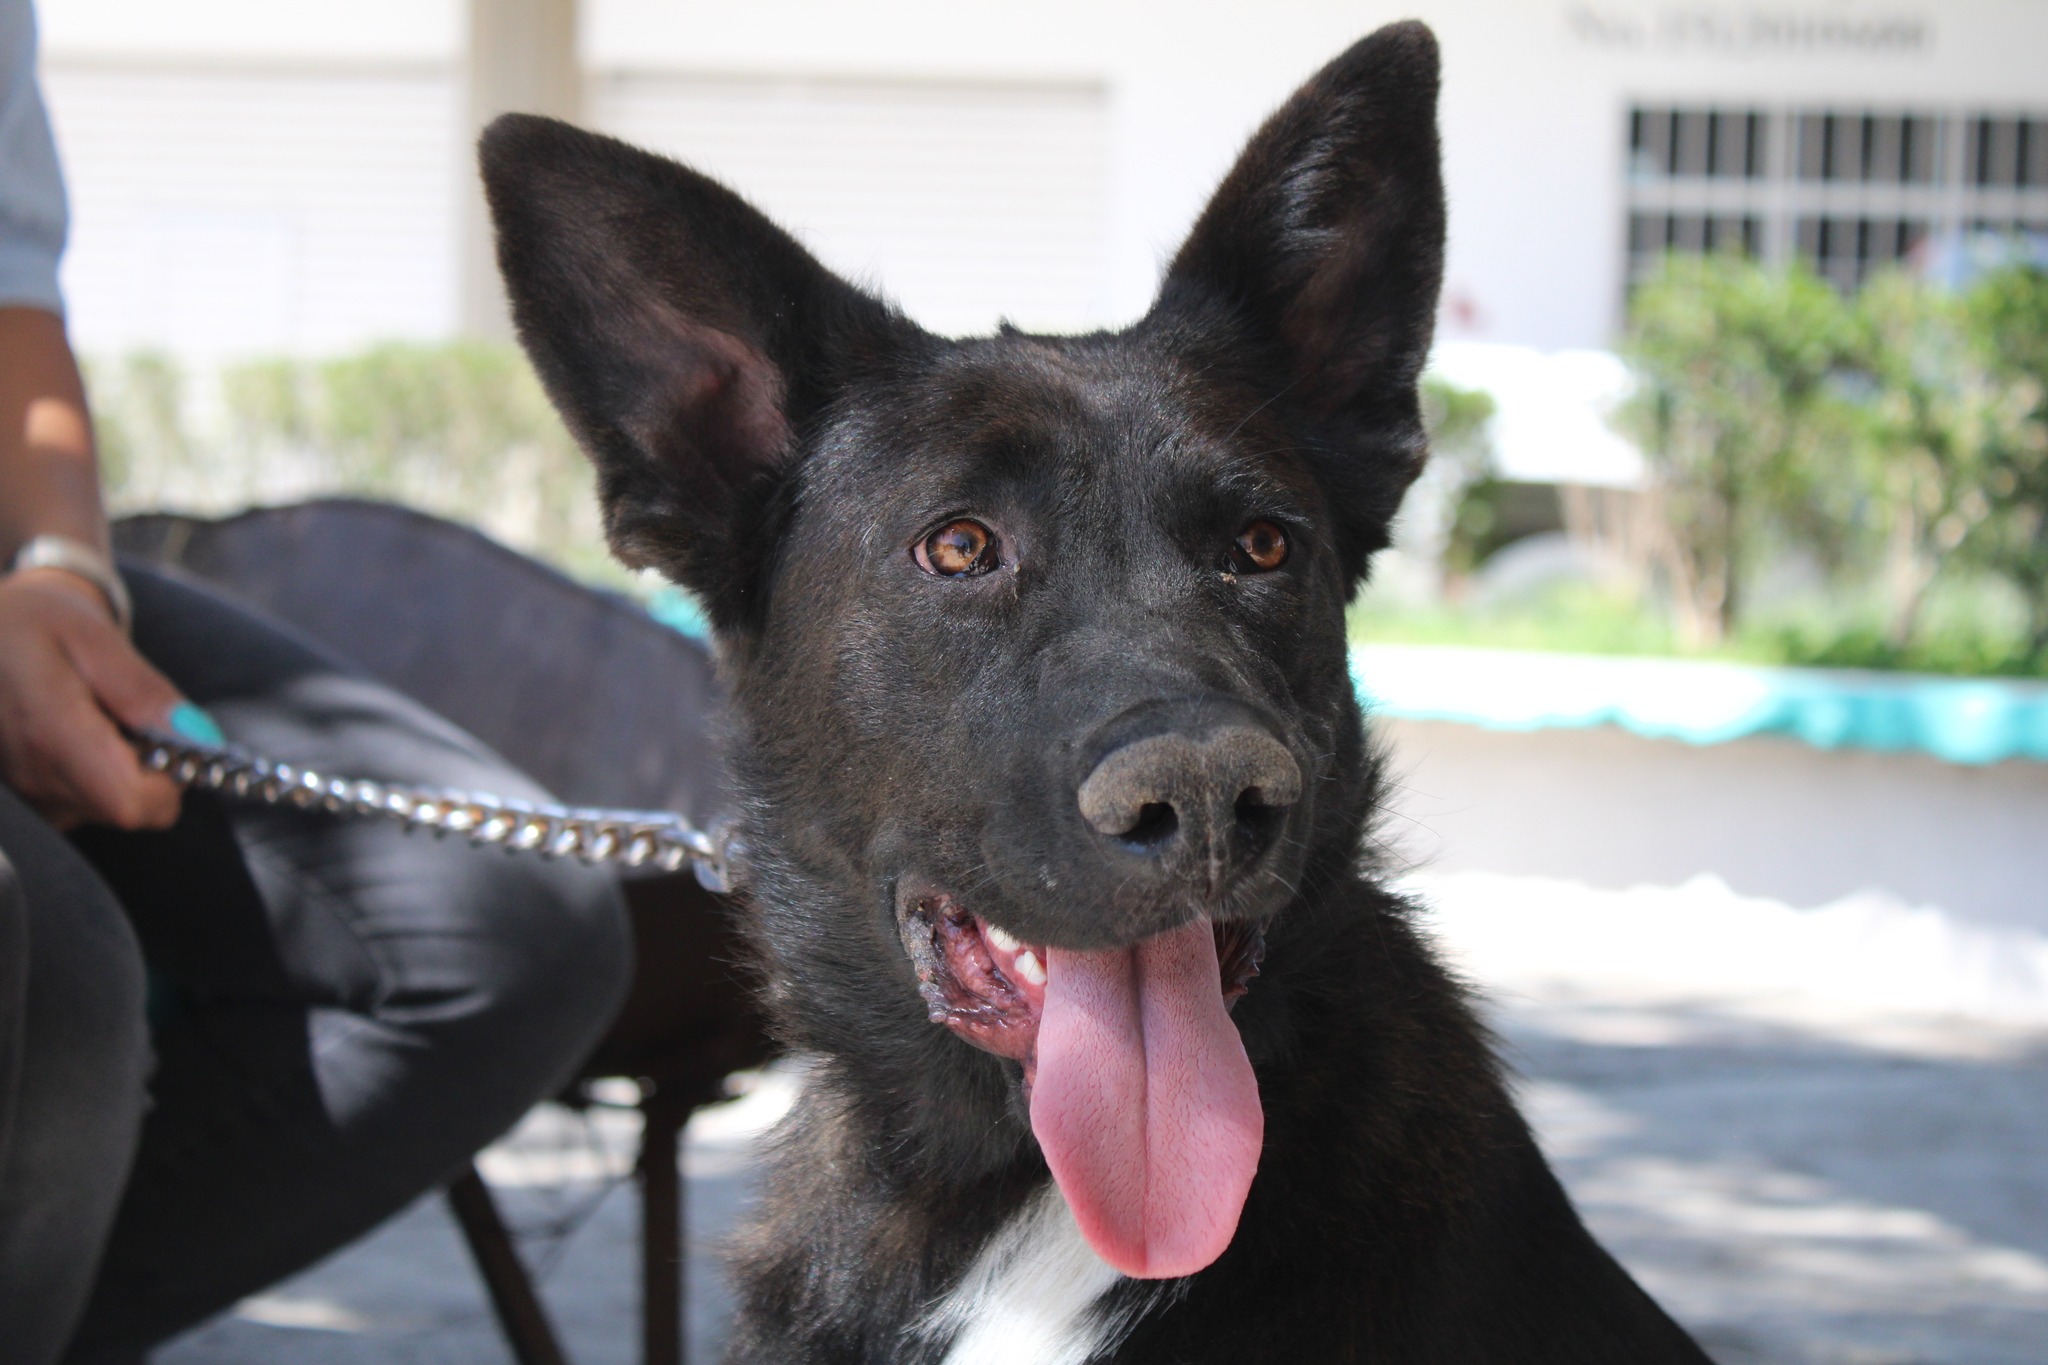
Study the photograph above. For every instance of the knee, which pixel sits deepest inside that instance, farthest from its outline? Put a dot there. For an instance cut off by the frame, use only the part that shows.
(584, 960)
(72, 984)
(73, 976)
(562, 962)
(481, 981)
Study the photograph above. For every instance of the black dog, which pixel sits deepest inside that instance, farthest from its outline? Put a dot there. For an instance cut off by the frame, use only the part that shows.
(1055, 783)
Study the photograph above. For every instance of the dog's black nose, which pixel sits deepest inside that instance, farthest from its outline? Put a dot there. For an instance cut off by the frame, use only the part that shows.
(1202, 805)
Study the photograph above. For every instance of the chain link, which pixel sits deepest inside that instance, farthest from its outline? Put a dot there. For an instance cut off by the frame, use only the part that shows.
(635, 838)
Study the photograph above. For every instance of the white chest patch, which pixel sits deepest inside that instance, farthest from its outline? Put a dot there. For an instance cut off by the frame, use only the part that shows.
(1032, 1295)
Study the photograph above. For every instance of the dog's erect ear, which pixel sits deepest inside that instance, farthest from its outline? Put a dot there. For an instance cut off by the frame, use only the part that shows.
(1324, 246)
(685, 338)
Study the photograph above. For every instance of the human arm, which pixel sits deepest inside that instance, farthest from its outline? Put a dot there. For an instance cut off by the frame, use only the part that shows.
(67, 670)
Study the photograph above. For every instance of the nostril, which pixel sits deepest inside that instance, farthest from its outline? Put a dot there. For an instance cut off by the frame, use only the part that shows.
(1253, 805)
(1257, 798)
(1256, 820)
(1157, 823)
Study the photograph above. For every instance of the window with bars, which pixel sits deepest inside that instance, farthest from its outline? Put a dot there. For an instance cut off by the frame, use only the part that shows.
(1848, 250)
(1652, 234)
(1865, 149)
(2007, 153)
(1847, 191)
(1715, 143)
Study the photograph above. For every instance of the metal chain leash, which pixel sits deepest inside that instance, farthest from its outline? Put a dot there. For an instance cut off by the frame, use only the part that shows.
(635, 838)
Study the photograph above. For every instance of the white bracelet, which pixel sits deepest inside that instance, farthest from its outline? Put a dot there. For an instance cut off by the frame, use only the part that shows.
(77, 557)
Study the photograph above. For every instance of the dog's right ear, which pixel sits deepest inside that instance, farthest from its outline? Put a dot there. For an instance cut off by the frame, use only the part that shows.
(1324, 247)
(686, 340)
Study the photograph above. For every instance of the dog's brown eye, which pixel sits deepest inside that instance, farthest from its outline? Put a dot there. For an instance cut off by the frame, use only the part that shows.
(1260, 548)
(959, 549)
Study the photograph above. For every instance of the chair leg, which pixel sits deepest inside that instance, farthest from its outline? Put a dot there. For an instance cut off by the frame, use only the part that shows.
(661, 1231)
(520, 1315)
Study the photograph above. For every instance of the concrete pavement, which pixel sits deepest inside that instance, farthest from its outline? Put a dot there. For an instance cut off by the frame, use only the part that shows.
(1800, 1183)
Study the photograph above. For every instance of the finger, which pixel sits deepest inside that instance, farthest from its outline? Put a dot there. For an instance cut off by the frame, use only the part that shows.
(123, 682)
(68, 759)
(58, 745)
(60, 810)
(106, 781)
(139, 798)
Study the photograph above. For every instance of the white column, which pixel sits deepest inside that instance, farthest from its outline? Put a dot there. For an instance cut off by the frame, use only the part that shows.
(522, 58)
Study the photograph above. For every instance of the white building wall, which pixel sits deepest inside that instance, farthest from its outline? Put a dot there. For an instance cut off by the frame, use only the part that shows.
(255, 30)
(252, 176)
(1770, 816)
(226, 210)
(1078, 139)
(1535, 98)
(965, 201)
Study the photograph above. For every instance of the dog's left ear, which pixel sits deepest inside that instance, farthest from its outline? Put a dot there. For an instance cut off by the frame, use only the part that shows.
(686, 340)
(1323, 249)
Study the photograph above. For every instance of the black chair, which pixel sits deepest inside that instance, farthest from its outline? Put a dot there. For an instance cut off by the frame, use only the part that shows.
(599, 703)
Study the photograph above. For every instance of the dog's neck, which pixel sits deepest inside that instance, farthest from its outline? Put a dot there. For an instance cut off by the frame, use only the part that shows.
(1036, 1295)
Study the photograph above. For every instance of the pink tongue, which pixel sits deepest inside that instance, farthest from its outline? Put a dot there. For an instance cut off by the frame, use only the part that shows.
(1144, 1102)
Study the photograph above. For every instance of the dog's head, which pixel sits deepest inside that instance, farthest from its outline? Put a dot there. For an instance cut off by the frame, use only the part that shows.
(1036, 643)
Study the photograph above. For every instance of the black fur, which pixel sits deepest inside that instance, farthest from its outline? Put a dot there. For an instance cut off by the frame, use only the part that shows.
(778, 441)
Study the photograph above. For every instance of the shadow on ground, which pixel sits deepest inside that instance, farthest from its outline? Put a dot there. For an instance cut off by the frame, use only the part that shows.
(1793, 1199)
(1800, 1200)
(409, 1295)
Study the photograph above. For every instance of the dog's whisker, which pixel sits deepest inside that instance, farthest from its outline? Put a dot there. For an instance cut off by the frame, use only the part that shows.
(1284, 391)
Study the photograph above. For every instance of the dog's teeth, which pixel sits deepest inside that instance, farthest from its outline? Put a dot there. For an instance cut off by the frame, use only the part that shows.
(1002, 939)
(1030, 968)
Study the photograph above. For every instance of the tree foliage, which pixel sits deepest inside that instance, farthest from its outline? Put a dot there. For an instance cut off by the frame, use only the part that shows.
(1733, 411)
(1941, 431)
(1896, 437)
(2008, 314)
(1461, 480)
(461, 429)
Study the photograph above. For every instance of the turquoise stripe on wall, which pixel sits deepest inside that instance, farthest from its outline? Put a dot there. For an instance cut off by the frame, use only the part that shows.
(1963, 720)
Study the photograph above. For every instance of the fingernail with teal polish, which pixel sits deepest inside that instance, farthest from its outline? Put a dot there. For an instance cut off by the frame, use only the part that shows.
(193, 723)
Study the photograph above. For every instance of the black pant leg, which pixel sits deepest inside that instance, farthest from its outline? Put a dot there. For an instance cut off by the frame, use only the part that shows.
(359, 1009)
(73, 1055)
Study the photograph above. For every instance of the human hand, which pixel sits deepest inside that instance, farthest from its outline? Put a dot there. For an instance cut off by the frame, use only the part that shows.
(67, 674)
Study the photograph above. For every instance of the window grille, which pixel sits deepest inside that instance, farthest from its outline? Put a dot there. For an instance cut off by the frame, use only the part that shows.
(2007, 153)
(1847, 191)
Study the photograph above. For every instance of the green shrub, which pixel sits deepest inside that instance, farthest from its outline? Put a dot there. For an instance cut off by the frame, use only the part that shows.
(2008, 313)
(460, 429)
(1939, 426)
(1460, 485)
(1735, 415)
(1896, 440)
(144, 442)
